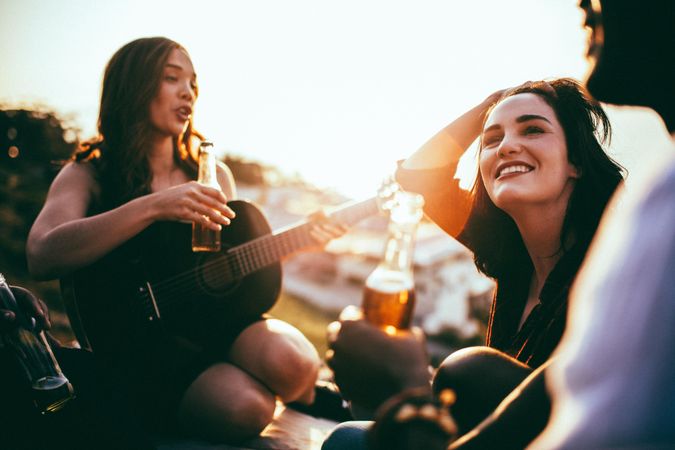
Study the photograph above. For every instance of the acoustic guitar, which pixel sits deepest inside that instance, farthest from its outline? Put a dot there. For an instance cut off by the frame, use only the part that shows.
(155, 283)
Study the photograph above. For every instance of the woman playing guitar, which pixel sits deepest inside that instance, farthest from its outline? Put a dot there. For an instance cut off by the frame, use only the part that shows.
(136, 175)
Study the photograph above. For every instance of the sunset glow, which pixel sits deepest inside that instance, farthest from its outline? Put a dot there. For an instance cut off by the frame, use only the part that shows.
(334, 91)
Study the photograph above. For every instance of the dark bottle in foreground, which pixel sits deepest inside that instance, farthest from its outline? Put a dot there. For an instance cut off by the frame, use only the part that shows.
(389, 293)
(50, 389)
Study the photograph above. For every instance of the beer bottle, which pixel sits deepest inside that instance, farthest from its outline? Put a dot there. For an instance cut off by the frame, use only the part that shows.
(389, 293)
(50, 388)
(205, 239)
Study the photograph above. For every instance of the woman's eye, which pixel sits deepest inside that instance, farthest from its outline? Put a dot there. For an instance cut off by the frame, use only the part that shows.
(491, 141)
(171, 78)
(533, 130)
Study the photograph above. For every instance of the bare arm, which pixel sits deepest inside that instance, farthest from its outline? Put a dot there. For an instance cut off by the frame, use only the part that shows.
(226, 181)
(448, 145)
(427, 171)
(63, 238)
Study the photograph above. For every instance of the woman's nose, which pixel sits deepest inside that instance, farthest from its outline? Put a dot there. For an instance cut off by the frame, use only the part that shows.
(187, 92)
(509, 146)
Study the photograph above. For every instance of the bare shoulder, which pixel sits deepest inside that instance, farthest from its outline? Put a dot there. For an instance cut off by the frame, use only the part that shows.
(226, 181)
(68, 199)
(76, 182)
(78, 173)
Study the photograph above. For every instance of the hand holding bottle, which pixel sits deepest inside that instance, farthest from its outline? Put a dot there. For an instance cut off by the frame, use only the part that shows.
(206, 237)
(371, 365)
(33, 309)
(50, 388)
(192, 202)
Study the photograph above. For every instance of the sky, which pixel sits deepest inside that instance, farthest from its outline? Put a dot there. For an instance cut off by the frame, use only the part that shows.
(335, 91)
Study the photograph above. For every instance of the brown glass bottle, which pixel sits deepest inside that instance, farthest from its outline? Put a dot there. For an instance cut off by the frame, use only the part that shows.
(205, 239)
(389, 293)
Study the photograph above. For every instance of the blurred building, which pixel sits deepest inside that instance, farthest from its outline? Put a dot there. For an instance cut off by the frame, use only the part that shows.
(452, 297)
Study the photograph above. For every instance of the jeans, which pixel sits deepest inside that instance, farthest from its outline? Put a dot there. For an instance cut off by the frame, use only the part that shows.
(348, 436)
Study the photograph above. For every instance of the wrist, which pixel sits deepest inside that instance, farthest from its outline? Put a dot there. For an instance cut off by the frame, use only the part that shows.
(147, 208)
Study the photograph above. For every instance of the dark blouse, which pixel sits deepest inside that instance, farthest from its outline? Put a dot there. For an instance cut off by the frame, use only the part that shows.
(449, 206)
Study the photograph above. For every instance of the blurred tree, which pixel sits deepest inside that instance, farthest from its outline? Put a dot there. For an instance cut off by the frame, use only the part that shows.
(246, 172)
(33, 144)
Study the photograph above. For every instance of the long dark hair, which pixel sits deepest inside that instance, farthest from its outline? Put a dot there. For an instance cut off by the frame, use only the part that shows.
(493, 234)
(120, 151)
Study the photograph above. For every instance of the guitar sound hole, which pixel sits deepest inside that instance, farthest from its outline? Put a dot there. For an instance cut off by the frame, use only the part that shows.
(213, 277)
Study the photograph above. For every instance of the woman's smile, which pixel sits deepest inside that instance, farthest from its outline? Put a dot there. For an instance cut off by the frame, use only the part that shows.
(511, 169)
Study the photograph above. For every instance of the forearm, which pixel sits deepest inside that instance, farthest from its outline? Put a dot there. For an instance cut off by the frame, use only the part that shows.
(448, 145)
(77, 243)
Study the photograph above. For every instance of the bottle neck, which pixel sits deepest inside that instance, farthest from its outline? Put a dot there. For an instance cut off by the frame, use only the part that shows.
(207, 169)
(7, 300)
(399, 248)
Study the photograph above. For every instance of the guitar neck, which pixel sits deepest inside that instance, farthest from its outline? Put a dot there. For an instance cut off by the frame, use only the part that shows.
(266, 250)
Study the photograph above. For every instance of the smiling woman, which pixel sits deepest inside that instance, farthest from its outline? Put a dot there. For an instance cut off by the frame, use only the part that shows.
(543, 183)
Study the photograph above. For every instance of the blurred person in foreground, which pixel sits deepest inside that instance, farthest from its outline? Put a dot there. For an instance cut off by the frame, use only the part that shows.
(612, 386)
(93, 419)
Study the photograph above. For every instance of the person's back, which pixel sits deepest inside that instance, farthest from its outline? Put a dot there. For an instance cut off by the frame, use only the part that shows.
(613, 385)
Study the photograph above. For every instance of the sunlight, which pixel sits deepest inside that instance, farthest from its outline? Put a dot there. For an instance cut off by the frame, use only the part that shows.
(334, 92)
(467, 169)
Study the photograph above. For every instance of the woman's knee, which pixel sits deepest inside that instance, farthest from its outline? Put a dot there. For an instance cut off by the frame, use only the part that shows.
(481, 378)
(293, 367)
(474, 367)
(226, 404)
(288, 363)
(250, 413)
(280, 356)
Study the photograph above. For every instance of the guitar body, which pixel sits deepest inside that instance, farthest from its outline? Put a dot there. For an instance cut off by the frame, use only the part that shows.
(154, 287)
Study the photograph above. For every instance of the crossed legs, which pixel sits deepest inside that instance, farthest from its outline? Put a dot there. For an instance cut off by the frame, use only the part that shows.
(236, 400)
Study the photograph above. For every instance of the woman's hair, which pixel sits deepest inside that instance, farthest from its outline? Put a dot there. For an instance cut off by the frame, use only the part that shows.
(131, 81)
(498, 246)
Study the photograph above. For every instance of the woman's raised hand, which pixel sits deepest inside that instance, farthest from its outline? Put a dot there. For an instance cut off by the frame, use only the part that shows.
(193, 202)
(370, 365)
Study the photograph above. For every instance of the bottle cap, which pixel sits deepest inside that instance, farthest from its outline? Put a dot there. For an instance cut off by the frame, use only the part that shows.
(205, 146)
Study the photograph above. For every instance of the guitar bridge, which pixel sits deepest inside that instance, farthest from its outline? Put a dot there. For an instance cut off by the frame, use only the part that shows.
(149, 297)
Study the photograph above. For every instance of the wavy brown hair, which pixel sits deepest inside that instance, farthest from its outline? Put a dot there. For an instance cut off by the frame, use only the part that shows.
(498, 246)
(120, 151)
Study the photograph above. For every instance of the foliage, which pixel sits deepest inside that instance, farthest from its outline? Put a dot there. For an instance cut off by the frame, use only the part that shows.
(32, 144)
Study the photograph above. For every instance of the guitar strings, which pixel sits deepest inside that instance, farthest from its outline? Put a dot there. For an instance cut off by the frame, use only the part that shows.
(250, 253)
(169, 291)
(248, 257)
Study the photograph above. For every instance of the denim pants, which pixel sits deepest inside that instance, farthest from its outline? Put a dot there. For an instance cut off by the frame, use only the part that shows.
(348, 436)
